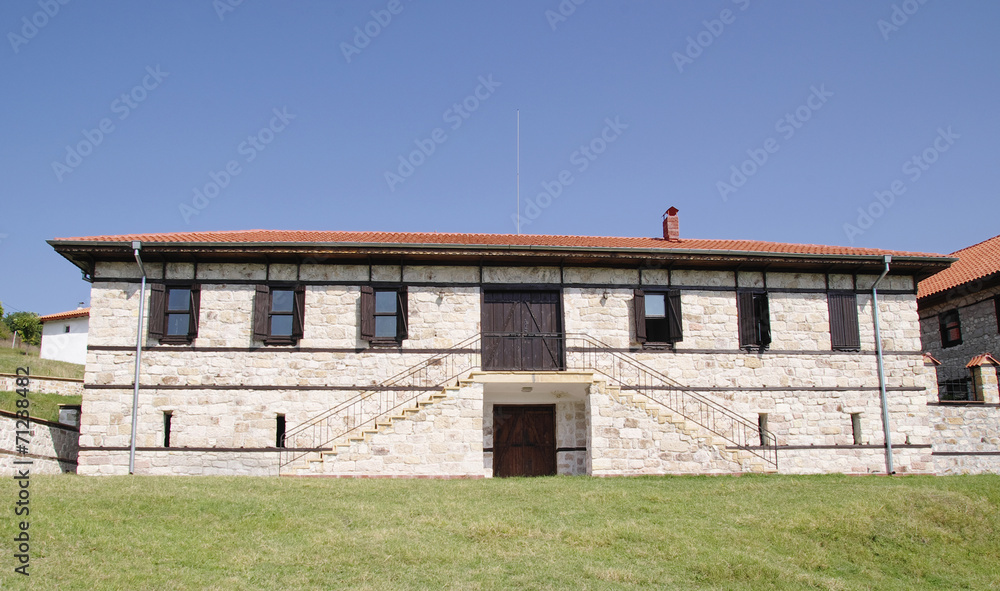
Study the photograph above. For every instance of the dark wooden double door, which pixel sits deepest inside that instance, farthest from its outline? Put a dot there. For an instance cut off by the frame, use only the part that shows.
(524, 440)
(522, 330)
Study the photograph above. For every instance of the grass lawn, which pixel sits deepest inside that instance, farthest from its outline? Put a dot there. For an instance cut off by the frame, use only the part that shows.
(11, 359)
(43, 406)
(751, 532)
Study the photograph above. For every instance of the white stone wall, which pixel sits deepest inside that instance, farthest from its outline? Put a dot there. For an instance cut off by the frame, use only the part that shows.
(62, 386)
(235, 394)
(969, 430)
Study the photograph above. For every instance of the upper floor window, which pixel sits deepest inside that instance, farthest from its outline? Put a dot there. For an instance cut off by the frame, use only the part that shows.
(173, 312)
(754, 319)
(996, 308)
(384, 314)
(951, 329)
(844, 333)
(657, 317)
(279, 314)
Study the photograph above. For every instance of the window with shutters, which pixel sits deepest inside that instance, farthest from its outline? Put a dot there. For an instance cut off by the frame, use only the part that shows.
(279, 314)
(844, 333)
(754, 319)
(657, 317)
(951, 329)
(173, 312)
(384, 318)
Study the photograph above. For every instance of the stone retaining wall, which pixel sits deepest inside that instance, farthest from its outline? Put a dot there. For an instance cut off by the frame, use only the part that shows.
(53, 448)
(44, 384)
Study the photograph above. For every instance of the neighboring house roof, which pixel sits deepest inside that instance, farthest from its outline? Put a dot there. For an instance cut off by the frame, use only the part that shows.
(78, 313)
(982, 359)
(974, 262)
(436, 238)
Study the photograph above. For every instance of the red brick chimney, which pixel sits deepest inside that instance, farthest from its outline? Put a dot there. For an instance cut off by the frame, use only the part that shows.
(671, 225)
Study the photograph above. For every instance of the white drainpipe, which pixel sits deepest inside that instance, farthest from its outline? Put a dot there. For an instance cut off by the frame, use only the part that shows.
(881, 370)
(136, 247)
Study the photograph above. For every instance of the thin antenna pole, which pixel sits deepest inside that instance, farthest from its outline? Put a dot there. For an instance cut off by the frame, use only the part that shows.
(517, 214)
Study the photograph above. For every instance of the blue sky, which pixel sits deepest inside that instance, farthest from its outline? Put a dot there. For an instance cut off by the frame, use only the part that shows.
(771, 121)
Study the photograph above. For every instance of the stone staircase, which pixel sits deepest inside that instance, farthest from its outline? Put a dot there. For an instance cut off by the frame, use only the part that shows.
(313, 464)
(742, 460)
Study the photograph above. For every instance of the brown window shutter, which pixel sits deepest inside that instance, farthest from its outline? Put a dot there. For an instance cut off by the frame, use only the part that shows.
(157, 302)
(844, 332)
(403, 320)
(639, 307)
(675, 328)
(763, 319)
(747, 322)
(261, 308)
(367, 312)
(195, 310)
(299, 312)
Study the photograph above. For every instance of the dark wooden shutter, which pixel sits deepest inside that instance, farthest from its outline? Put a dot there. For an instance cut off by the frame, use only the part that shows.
(261, 308)
(844, 333)
(675, 328)
(157, 302)
(747, 321)
(403, 320)
(195, 311)
(367, 312)
(298, 312)
(639, 306)
(763, 313)
(996, 305)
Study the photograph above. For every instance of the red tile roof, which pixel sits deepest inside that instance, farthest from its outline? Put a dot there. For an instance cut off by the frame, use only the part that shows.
(78, 313)
(444, 239)
(974, 262)
(982, 359)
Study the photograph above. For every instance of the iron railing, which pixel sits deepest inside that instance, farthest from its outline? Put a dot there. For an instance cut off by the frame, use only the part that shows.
(351, 417)
(581, 352)
(629, 374)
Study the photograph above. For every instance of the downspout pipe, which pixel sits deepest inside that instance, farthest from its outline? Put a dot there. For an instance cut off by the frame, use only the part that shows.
(881, 370)
(136, 247)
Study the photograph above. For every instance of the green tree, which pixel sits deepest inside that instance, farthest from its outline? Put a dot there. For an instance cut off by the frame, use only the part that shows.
(27, 325)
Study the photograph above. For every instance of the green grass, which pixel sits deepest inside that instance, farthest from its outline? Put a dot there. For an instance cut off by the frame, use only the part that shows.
(11, 359)
(42, 406)
(826, 532)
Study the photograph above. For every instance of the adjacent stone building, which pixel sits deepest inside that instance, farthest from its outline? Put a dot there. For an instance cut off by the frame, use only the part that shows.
(479, 355)
(960, 327)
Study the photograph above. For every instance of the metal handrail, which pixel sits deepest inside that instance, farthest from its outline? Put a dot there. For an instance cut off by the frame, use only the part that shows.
(367, 407)
(580, 351)
(629, 373)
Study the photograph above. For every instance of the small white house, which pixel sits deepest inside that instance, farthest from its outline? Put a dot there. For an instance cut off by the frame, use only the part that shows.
(64, 336)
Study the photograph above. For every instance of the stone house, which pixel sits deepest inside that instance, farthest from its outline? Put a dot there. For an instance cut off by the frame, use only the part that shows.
(478, 355)
(960, 328)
